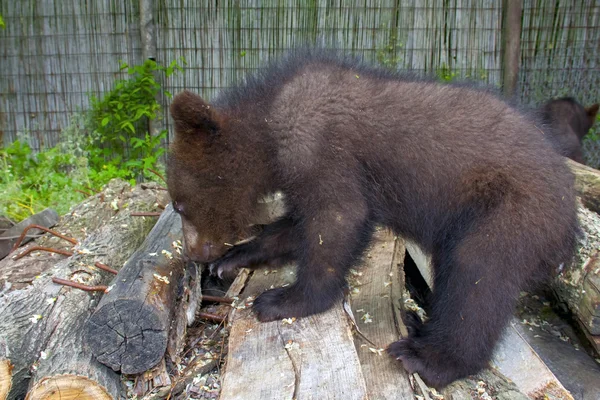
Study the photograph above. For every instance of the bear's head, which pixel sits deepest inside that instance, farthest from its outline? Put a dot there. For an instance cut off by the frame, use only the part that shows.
(208, 179)
(567, 110)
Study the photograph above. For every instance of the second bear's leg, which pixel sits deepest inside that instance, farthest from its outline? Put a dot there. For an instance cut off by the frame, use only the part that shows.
(332, 238)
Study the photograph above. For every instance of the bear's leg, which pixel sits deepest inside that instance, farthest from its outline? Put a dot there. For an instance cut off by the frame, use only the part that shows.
(273, 247)
(333, 234)
(476, 286)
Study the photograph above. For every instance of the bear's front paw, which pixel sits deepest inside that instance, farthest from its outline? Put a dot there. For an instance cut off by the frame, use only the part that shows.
(228, 266)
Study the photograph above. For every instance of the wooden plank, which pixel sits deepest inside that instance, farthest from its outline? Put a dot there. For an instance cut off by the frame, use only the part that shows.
(310, 358)
(515, 358)
(46, 218)
(379, 292)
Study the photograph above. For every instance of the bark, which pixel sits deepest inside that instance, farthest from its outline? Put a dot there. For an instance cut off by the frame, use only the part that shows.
(41, 323)
(129, 330)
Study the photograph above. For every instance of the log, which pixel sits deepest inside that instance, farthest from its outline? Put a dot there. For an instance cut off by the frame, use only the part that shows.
(376, 294)
(489, 382)
(41, 323)
(129, 330)
(46, 218)
(68, 365)
(578, 284)
(587, 184)
(83, 218)
(5, 370)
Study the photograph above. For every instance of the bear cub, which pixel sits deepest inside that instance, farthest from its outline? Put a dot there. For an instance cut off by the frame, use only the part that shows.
(453, 168)
(569, 122)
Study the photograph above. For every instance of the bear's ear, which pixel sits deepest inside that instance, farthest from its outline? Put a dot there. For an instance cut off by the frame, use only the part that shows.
(592, 111)
(192, 114)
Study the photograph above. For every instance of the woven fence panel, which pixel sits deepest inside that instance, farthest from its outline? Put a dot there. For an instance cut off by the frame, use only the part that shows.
(560, 50)
(223, 41)
(54, 54)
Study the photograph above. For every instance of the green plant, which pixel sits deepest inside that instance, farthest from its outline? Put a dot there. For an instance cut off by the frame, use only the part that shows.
(387, 56)
(112, 140)
(445, 74)
(121, 144)
(30, 182)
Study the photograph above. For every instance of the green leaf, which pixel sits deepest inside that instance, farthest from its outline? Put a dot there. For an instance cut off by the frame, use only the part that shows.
(129, 126)
(105, 121)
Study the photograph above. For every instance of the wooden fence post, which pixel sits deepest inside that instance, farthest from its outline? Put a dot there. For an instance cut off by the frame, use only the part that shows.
(148, 39)
(511, 45)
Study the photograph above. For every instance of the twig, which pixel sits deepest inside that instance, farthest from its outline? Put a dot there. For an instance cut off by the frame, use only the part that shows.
(87, 288)
(41, 248)
(16, 237)
(425, 390)
(43, 228)
(217, 299)
(91, 189)
(145, 214)
(211, 317)
(189, 374)
(157, 174)
(83, 192)
(105, 267)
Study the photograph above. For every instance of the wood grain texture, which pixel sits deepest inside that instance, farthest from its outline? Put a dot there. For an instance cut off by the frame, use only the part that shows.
(587, 184)
(42, 323)
(46, 218)
(379, 295)
(129, 329)
(309, 358)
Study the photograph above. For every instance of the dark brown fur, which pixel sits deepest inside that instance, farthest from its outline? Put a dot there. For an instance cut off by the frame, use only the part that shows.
(453, 168)
(569, 122)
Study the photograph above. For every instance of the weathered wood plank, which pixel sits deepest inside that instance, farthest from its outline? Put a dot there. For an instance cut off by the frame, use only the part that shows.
(46, 218)
(378, 291)
(310, 358)
(515, 358)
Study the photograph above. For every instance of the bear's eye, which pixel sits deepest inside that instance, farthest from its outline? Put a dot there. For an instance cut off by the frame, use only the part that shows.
(178, 207)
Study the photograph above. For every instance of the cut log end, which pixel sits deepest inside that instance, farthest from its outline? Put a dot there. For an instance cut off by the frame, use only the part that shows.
(5, 378)
(68, 387)
(127, 335)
